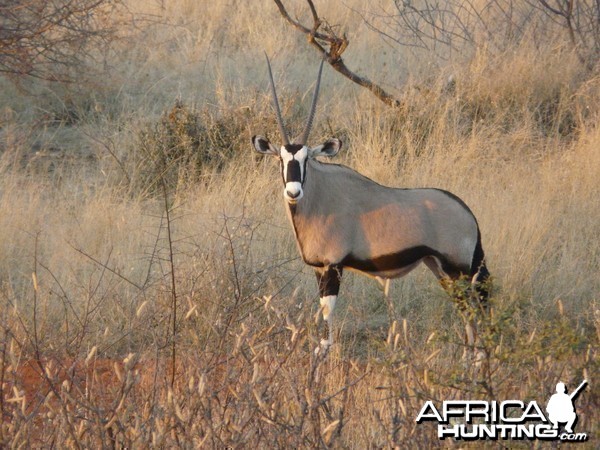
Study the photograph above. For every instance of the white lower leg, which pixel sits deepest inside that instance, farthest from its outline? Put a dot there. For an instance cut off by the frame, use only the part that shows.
(470, 333)
(471, 351)
(327, 306)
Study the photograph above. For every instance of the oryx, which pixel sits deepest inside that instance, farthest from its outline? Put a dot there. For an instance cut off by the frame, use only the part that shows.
(344, 220)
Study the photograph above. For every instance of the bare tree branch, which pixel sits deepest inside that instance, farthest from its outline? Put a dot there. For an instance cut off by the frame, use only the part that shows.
(582, 21)
(446, 27)
(336, 47)
(46, 40)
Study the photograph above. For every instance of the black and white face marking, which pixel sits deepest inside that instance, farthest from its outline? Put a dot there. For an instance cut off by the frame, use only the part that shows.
(293, 159)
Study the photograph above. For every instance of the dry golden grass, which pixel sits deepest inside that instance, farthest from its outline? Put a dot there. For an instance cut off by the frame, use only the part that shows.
(90, 263)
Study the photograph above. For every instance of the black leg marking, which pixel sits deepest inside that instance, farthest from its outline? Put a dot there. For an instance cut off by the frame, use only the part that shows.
(329, 279)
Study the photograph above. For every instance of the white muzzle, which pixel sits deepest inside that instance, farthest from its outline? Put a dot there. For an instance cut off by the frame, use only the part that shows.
(293, 191)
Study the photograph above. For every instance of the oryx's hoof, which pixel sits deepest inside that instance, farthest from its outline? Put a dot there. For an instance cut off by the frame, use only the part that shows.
(323, 347)
(473, 357)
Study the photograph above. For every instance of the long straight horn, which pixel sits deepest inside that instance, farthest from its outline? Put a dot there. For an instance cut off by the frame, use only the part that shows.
(284, 135)
(313, 108)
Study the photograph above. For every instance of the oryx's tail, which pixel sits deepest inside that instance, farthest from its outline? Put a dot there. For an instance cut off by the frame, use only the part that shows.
(479, 271)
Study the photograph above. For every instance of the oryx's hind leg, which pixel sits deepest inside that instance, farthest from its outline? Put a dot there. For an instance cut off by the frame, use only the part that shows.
(479, 293)
(480, 274)
(328, 279)
(480, 284)
(448, 274)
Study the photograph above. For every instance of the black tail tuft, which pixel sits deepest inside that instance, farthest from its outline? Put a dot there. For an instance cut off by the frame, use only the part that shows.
(479, 271)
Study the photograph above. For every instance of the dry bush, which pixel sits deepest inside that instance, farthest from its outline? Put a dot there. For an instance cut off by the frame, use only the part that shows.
(180, 147)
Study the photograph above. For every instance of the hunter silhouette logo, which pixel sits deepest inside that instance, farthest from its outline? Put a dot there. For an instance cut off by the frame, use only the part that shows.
(560, 406)
(508, 419)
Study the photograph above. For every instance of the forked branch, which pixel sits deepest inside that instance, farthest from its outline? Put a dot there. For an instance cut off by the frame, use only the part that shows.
(331, 46)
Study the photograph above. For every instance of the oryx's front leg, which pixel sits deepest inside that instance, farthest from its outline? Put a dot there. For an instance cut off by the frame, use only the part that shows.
(328, 279)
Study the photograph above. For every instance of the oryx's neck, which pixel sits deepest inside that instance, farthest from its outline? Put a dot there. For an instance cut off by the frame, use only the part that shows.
(323, 192)
(319, 219)
(330, 189)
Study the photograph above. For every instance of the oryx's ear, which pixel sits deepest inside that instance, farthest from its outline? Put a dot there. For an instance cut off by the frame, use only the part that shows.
(262, 145)
(329, 148)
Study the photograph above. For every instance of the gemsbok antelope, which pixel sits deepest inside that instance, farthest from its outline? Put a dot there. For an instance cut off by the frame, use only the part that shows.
(343, 220)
